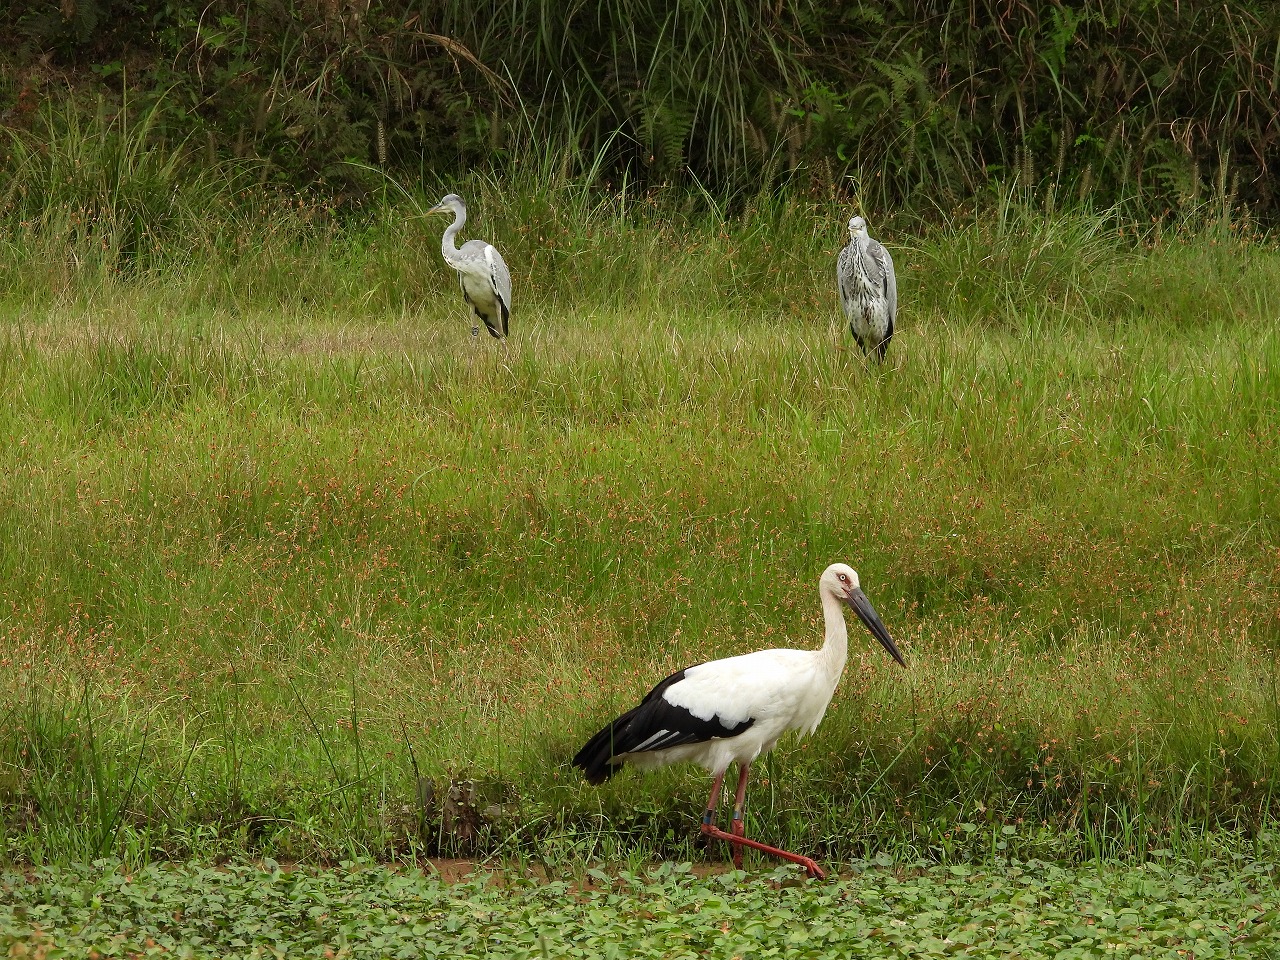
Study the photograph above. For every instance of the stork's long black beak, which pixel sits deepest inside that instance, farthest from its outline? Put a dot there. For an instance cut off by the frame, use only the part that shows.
(867, 614)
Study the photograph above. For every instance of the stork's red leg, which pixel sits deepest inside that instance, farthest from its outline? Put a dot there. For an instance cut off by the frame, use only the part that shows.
(808, 863)
(709, 815)
(738, 826)
(737, 838)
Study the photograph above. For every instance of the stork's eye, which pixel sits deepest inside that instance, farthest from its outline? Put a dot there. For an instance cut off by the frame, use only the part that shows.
(843, 578)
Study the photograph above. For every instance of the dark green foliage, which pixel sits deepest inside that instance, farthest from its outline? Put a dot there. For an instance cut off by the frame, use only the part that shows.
(1025, 909)
(920, 102)
(700, 86)
(83, 30)
(1155, 100)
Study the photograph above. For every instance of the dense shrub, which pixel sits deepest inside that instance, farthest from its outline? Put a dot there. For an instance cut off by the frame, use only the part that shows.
(917, 101)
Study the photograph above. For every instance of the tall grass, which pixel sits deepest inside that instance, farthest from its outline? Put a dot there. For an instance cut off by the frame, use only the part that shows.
(289, 565)
(97, 194)
(448, 567)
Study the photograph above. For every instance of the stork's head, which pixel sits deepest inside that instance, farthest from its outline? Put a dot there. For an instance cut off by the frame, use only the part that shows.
(841, 581)
(452, 203)
(858, 228)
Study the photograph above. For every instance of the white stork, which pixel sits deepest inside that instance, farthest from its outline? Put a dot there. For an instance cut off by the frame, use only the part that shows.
(735, 709)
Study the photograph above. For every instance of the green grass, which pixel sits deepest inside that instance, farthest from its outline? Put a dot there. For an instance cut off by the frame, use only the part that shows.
(285, 558)
(1011, 909)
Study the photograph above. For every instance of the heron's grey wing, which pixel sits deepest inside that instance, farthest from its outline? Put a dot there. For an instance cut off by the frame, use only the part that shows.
(469, 259)
(474, 264)
(844, 279)
(501, 282)
(473, 251)
(889, 281)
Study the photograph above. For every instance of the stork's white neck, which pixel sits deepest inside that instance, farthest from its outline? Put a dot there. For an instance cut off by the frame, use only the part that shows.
(835, 645)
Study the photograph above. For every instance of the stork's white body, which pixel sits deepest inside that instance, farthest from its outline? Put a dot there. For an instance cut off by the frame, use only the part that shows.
(733, 710)
(780, 690)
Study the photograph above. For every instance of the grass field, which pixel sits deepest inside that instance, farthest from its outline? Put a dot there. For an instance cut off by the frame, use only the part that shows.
(290, 567)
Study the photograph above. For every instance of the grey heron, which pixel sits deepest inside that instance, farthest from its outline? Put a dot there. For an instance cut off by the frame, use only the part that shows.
(733, 710)
(868, 289)
(482, 273)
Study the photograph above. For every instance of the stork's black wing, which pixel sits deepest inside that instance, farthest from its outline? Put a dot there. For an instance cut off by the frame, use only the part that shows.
(655, 724)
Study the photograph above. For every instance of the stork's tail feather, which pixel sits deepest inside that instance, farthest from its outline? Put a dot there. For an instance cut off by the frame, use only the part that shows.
(594, 759)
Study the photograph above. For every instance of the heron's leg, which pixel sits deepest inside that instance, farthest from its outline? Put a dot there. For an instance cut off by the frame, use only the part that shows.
(709, 815)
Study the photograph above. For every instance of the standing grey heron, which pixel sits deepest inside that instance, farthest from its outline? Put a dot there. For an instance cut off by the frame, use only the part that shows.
(868, 289)
(735, 709)
(482, 273)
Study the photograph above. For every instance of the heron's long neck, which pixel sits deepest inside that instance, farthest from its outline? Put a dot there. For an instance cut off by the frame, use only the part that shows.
(860, 264)
(835, 646)
(448, 245)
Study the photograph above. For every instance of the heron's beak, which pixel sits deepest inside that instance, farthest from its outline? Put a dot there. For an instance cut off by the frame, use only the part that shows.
(867, 614)
(438, 208)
